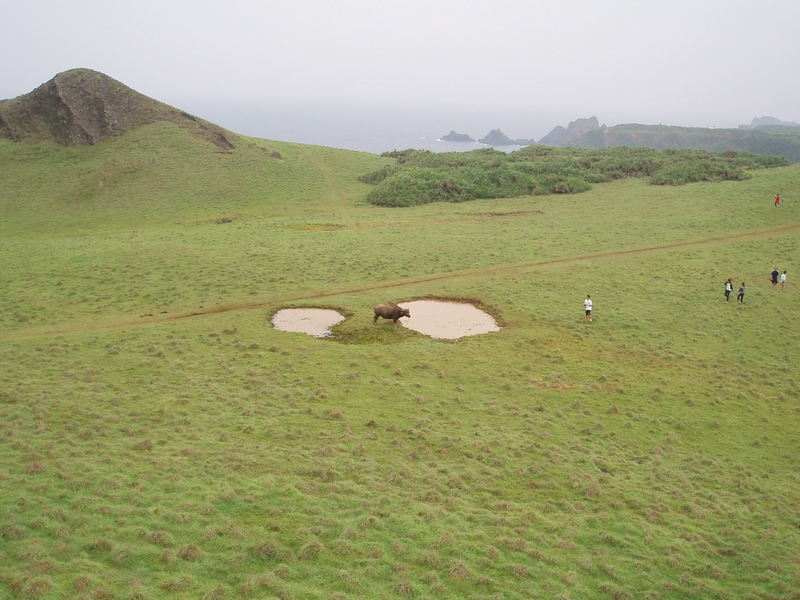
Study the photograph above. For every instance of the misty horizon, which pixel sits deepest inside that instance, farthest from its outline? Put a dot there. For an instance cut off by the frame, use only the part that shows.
(523, 67)
(380, 127)
(374, 128)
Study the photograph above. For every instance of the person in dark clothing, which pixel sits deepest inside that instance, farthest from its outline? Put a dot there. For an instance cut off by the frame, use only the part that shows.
(774, 277)
(740, 295)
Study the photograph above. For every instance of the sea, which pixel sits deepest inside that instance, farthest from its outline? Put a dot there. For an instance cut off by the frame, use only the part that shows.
(375, 128)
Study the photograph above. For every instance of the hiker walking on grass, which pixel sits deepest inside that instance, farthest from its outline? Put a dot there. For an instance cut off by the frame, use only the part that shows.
(783, 280)
(774, 277)
(728, 289)
(740, 295)
(588, 305)
(777, 200)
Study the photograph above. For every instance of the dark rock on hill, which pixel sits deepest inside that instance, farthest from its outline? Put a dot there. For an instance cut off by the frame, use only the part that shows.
(82, 107)
(497, 138)
(561, 137)
(457, 137)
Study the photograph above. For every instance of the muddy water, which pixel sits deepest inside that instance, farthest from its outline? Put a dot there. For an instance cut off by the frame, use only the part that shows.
(447, 320)
(316, 322)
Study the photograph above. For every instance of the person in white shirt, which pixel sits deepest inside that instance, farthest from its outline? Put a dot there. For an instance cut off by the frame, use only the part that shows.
(588, 304)
(783, 280)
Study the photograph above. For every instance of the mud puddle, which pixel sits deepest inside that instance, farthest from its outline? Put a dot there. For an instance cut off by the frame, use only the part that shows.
(316, 322)
(447, 320)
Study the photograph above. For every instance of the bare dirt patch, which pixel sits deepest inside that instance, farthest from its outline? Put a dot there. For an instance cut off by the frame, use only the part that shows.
(513, 213)
(316, 322)
(448, 320)
(316, 227)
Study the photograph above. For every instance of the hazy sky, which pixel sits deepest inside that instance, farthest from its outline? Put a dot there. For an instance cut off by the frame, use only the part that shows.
(681, 62)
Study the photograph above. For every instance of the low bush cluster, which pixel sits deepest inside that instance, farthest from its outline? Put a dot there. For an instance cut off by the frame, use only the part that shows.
(422, 177)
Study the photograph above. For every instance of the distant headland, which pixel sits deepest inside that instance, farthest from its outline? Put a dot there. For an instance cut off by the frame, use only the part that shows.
(765, 135)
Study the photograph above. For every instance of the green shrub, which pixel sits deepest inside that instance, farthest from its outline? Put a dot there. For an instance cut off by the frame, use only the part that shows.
(422, 177)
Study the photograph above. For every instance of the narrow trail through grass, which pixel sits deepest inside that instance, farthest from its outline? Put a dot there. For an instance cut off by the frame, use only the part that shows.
(326, 173)
(292, 297)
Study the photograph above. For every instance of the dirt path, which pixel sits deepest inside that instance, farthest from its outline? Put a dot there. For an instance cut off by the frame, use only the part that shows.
(326, 173)
(291, 297)
(523, 265)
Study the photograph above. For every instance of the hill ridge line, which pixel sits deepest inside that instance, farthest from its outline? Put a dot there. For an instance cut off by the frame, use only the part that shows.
(397, 283)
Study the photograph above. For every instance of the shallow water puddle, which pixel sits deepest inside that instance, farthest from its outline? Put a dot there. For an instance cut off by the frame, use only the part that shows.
(316, 322)
(447, 320)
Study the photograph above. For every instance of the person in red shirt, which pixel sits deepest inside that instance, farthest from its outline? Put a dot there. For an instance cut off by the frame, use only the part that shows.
(777, 200)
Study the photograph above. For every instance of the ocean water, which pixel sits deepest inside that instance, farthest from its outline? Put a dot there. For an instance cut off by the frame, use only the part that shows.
(374, 129)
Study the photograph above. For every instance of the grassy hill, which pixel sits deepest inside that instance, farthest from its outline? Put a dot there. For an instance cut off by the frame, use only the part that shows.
(160, 173)
(82, 107)
(196, 452)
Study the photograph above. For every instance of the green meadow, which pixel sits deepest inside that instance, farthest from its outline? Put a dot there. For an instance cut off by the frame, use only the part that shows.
(159, 439)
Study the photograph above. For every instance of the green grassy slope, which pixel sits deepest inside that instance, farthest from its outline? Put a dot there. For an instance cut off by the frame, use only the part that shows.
(159, 174)
(200, 453)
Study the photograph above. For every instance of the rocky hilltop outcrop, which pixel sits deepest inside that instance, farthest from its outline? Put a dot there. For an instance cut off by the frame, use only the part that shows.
(562, 137)
(81, 107)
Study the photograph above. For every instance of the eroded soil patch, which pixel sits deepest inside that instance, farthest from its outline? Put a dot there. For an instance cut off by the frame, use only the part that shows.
(316, 322)
(316, 227)
(447, 320)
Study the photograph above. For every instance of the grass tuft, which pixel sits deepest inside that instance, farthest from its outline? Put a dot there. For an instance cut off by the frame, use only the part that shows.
(190, 552)
(310, 550)
(458, 570)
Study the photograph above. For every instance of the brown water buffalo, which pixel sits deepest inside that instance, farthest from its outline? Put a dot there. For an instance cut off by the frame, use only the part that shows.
(390, 311)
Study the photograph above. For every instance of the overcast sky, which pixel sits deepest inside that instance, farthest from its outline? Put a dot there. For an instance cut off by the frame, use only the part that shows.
(680, 62)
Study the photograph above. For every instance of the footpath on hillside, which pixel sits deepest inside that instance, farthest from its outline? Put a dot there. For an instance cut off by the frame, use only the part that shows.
(289, 297)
